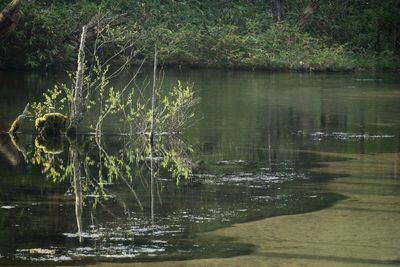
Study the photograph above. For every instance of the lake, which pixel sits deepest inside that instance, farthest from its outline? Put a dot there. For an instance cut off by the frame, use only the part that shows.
(288, 169)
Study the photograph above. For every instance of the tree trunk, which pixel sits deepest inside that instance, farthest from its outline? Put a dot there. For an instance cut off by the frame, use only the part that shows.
(307, 13)
(153, 98)
(278, 10)
(9, 17)
(76, 107)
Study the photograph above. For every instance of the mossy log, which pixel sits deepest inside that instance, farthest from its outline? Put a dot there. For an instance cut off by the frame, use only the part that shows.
(51, 124)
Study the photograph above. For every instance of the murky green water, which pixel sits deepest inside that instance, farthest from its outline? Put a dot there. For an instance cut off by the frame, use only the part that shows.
(249, 146)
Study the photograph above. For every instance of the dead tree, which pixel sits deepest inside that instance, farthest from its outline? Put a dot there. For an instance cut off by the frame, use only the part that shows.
(76, 105)
(9, 17)
(307, 13)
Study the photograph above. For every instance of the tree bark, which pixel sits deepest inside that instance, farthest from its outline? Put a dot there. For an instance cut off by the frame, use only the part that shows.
(9, 17)
(307, 13)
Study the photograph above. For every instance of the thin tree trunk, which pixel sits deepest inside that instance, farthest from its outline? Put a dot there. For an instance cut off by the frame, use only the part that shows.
(76, 107)
(307, 13)
(153, 103)
(153, 97)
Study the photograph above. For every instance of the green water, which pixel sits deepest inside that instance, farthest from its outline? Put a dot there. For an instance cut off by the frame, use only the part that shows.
(250, 146)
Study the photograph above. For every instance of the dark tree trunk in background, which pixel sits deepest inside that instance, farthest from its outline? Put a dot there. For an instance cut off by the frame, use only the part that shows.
(307, 13)
(397, 39)
(9, 17)
(278, 10)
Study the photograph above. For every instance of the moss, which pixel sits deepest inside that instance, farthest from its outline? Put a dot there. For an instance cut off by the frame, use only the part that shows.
(51, 124)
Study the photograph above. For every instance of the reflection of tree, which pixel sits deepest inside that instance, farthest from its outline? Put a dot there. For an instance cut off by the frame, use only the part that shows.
(75, 161)
(10, 149)
(93, 163)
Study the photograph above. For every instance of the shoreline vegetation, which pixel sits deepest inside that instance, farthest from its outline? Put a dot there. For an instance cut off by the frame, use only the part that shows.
(277, 35)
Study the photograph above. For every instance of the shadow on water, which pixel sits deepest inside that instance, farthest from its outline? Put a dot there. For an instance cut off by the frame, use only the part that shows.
(118, 199)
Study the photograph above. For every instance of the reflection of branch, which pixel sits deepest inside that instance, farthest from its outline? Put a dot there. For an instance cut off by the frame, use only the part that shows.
(20, 148)
(9, 152)
(75, 161)
(152, 177)
(98, 142)
(133, 192)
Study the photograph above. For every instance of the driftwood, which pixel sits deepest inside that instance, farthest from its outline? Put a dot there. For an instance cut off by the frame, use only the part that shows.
(9, 17)
(17, 122)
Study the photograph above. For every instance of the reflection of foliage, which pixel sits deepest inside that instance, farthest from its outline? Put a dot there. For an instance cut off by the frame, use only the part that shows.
(101, 166)
(46, 155)
(175, 154)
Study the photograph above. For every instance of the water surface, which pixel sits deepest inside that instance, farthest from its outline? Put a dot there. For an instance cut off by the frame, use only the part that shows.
(251, 146)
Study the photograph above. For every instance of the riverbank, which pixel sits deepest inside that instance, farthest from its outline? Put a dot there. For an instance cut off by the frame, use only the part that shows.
(238, 35)
(360, 231)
